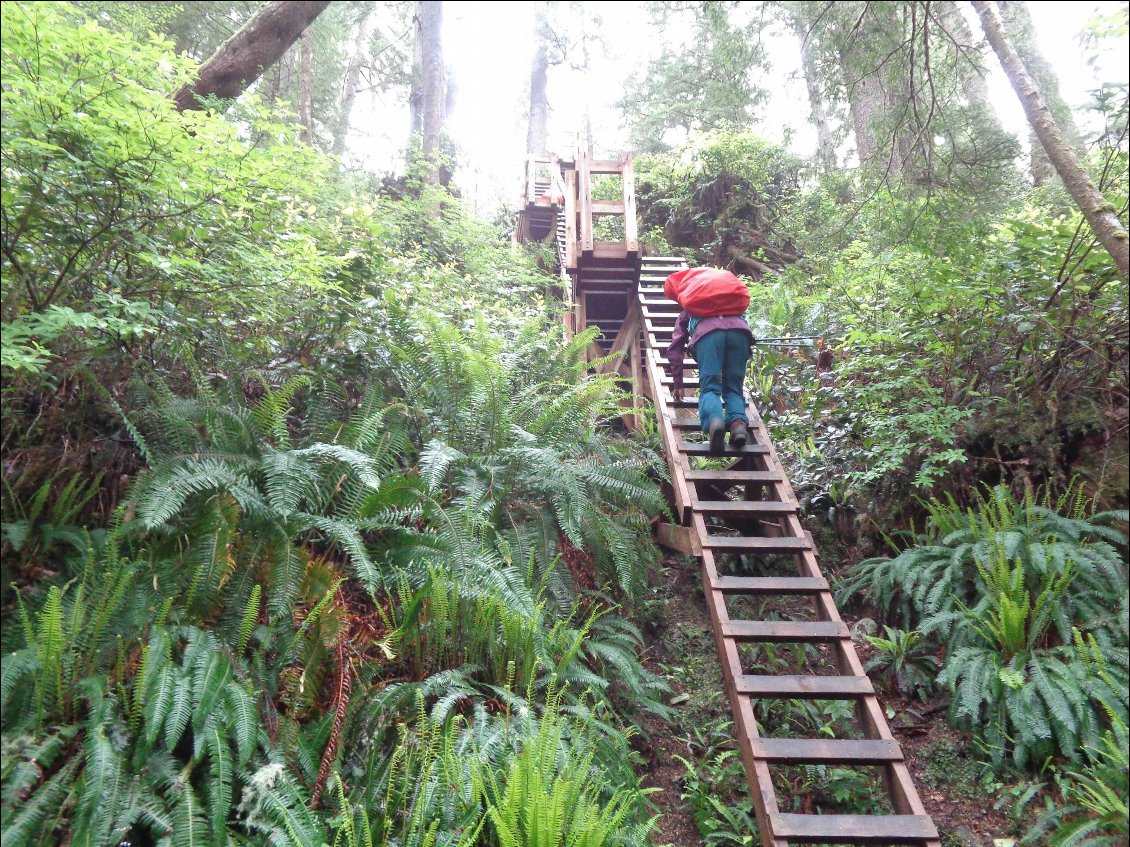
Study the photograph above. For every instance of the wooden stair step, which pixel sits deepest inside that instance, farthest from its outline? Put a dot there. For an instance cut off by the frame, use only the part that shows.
(771, 585)
(826, 751)
(735, 477)
(753, 507)
(853, 829)
(784, 631)
(702, 448)
(790, 686)
(755, 544)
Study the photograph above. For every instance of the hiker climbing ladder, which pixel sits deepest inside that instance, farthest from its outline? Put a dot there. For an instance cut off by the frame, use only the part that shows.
(737, 519)
(747, 512)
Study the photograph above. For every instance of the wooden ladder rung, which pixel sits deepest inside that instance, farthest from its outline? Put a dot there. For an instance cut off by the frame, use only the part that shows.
(853, 829)
(784, 631)
(788, 686)
(755, 544)
(770, 585)
(702, 448)
(751, 507)
(736, 477)
(826, 751)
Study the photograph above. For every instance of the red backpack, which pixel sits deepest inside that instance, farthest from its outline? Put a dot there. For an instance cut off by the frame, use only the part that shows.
(707, 292)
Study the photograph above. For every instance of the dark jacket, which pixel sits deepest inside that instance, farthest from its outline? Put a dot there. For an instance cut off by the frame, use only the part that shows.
(683, 339)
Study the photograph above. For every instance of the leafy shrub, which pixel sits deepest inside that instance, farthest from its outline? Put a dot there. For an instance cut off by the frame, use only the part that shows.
(903, 662)
(1011, 584)
(944, 571)
(1094, 812)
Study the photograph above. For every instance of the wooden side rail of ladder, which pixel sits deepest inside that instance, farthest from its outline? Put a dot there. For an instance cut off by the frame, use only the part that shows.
(749, 509)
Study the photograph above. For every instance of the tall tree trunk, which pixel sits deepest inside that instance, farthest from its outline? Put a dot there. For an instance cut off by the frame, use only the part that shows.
(1022, 35)
(825, 144)
(1099, 214)
(306, 89)
(974, 84)
(537, 136)
(353, 78)
(429, 97)
(244, 56)
(865, 104)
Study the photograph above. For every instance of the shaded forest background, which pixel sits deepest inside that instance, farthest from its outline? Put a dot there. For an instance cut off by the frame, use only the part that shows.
(316, 531)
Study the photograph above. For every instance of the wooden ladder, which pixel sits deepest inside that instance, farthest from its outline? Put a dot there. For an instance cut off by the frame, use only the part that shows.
(764, 522)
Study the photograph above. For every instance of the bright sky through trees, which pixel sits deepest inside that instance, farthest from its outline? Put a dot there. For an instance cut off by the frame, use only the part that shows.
(489, 45)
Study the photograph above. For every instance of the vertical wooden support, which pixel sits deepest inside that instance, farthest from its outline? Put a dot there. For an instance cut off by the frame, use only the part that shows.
(580, 320)
(631, 231)
(637, 383)
(584, 198)
(571, 224)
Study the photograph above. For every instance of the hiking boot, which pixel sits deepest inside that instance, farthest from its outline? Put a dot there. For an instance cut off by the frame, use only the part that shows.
(717, 431)
(739, 434)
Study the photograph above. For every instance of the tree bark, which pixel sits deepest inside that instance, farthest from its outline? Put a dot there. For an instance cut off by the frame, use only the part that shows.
(306, 88)
(244, 56)
(825, 144)
(865, 104)
(1099, 214)
(429, 84)
(1018, 19)
(537, 136)
(973, 81)
(353, 79)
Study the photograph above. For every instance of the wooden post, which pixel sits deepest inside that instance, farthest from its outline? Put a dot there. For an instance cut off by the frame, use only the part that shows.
(571, 223)
(637, 383)
(584, 197)
(631, 230)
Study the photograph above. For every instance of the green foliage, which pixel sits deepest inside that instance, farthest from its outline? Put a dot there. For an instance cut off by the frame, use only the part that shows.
(722, 195)
(714, 788)
(547, 797)
(704, 88)
(1011, 583)
(512, 431)
(903, 663)
(950, 566)
(1094, 811)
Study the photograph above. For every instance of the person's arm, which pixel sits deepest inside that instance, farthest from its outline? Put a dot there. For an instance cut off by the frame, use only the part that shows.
(676, 351)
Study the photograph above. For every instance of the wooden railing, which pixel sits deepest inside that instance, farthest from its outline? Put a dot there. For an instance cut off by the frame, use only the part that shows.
(590, 209)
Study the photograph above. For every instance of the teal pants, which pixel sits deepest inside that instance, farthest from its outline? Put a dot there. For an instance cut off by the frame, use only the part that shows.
(722, 357)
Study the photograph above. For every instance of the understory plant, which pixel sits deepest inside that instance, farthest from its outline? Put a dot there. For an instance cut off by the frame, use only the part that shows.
(903, 662)
(1093, 809)
(1028, 598)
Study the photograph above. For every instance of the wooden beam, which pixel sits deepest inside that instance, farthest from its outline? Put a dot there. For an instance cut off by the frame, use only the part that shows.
(637, 384)
(571, 223)
(605, 166)
(608, 207)
(631, 230)
(584, 201)
(682, 539)
(629, 333)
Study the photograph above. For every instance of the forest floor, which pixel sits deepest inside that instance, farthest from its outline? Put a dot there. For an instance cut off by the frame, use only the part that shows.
(958, 791)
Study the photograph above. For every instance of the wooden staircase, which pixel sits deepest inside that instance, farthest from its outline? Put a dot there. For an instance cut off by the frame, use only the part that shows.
(744, 517)
(738, 514)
